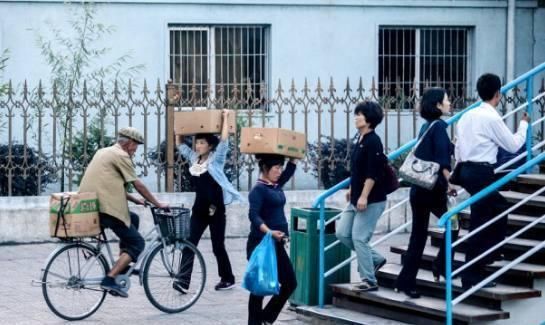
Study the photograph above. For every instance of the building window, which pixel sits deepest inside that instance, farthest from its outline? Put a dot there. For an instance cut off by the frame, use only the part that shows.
(414, 58)
(226, 57)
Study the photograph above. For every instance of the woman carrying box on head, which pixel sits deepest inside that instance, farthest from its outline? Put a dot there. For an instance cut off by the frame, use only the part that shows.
(213, 191)
(267, 201)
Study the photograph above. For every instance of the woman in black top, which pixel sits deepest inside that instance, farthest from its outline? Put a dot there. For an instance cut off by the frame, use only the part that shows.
(267, 201)
(367, 195)
(435, 146)
(212, 192)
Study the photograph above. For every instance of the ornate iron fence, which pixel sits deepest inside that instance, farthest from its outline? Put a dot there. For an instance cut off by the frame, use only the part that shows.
(47, 137)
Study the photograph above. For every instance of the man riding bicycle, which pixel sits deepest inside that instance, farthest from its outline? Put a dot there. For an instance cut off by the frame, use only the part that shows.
(109, 174)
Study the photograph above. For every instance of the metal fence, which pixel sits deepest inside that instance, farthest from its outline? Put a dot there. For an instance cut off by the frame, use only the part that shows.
(47, 137)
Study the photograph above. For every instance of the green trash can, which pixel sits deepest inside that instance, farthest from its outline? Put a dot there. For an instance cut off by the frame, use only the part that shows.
(304, 255)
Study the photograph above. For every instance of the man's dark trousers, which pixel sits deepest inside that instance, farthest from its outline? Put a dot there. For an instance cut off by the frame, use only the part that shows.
(473, 178)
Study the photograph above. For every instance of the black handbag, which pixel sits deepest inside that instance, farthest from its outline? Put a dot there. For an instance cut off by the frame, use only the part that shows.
(391, 183)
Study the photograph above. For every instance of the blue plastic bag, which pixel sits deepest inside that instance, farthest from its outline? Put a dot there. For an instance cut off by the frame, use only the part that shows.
(261, 276)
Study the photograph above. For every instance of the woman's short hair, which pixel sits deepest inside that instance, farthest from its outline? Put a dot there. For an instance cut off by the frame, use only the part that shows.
(429, 101)
(268, 161)
(211, 139)
(372, 111)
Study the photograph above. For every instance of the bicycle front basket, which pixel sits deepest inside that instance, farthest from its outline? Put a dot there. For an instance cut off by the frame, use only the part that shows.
(174, 224)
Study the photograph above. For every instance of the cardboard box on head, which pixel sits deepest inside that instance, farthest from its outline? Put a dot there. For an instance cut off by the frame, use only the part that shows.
(274, 141)
(80, 215)
(202, 121)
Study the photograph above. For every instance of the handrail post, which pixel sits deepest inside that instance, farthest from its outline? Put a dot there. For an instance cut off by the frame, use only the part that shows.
(321, 279)
(529, 110)
(448, 271)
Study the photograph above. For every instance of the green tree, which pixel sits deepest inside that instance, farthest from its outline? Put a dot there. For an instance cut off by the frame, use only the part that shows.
(77, 61)
(84, 147)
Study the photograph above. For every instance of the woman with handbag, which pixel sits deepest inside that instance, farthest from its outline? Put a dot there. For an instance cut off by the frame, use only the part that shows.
(434, 148)
(267, 201)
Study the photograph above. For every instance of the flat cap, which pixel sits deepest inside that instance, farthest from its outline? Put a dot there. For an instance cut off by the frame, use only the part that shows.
(132, 133)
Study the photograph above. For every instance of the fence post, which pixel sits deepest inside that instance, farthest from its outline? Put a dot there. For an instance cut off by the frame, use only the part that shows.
(172, 99)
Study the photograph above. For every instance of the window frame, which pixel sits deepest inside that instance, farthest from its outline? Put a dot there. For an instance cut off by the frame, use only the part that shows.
(212, 57)
(418, 72)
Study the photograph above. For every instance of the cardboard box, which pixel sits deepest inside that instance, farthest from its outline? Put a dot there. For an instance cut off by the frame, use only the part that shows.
(273, 140)
(80, 215)
(202, 121)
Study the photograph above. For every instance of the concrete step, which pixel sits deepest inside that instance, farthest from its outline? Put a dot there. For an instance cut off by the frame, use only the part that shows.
(518, 220)
(532, 179)
(333, 315)
(534, 207)
(425, 310)
(528, 183)
(490, 297)
(511, 250)
(515, 222)
(522, 274)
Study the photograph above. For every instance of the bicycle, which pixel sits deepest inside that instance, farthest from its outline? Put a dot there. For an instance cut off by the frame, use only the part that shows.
(71, 277)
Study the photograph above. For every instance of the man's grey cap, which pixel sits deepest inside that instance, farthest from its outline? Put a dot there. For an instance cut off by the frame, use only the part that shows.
(132, 133)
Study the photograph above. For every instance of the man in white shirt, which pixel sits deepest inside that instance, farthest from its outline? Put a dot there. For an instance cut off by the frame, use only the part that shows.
(480, 132)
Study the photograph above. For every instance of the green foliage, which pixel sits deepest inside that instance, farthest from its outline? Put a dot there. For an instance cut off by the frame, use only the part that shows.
(73, 55)
(85, 145)
(29, 170)
(333, 176)
(76, 61)
(339, 156)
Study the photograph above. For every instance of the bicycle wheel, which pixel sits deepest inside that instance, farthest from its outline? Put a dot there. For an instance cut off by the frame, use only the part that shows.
(71, 282)
(163, 264)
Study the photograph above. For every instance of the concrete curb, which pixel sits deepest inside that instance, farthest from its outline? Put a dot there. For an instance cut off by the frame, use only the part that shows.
(25, 219)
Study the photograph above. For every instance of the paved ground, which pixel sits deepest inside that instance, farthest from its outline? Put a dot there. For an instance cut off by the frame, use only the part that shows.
(21, 303)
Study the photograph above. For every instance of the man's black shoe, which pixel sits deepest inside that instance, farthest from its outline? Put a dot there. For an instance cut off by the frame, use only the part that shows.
(412, 293)
(108, 284)
(225, 285)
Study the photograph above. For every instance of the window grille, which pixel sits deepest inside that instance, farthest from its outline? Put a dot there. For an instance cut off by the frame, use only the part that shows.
(226, 57)
(414, 58)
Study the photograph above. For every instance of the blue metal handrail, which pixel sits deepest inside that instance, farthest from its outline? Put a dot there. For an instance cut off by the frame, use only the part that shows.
(444, 222)
(530, 162)
(320, 200)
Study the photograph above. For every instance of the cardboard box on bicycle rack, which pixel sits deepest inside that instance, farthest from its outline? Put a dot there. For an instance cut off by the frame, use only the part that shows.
(274, 141)
(80, 215)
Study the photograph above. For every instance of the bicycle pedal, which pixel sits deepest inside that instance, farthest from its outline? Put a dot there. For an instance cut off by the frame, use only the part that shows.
(113, 293)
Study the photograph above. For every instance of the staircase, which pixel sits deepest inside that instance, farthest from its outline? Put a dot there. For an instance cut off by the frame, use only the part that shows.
(520, 274)
(515, 300)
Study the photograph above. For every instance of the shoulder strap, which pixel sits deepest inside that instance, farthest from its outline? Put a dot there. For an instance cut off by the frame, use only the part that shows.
(423, 135)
